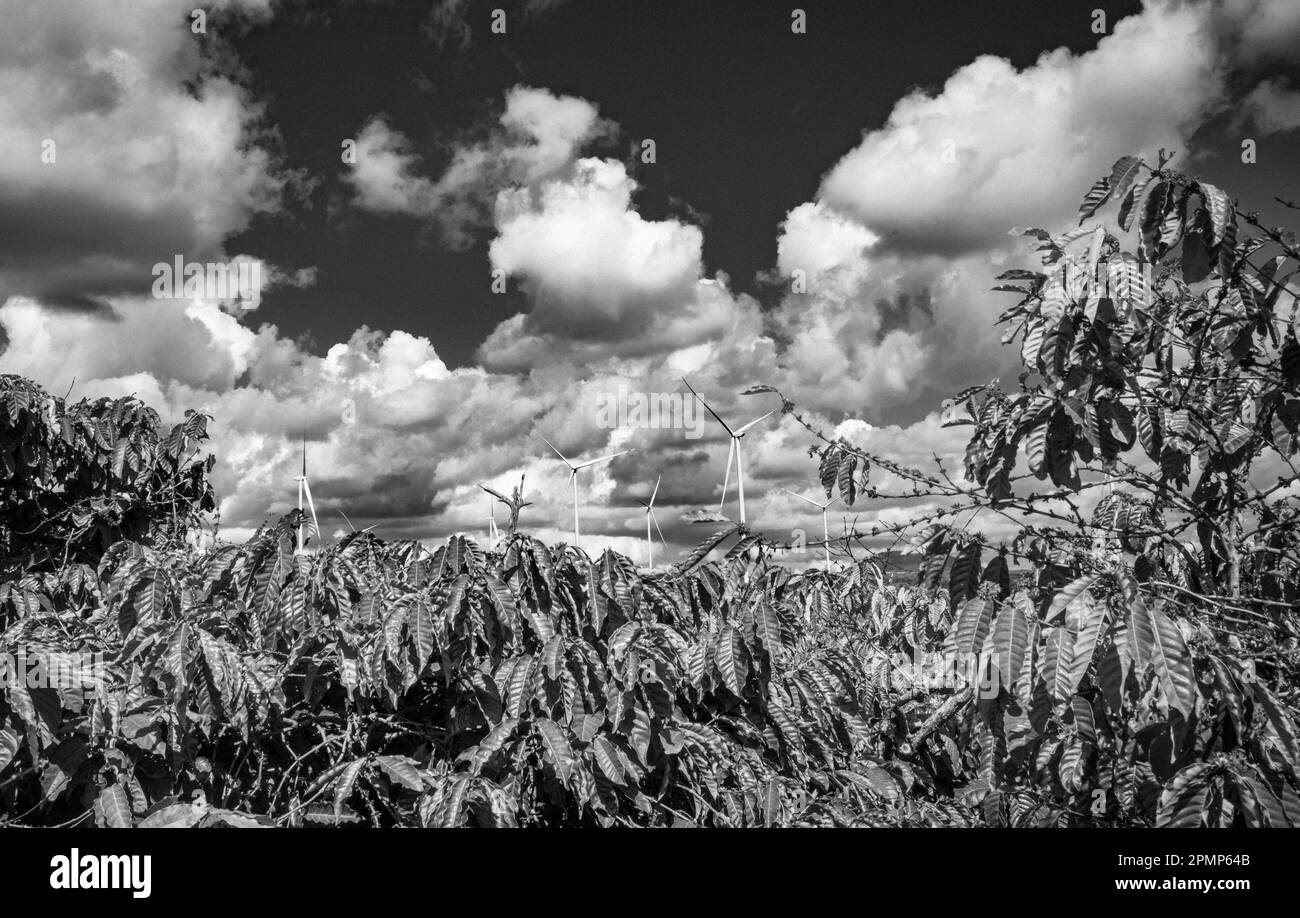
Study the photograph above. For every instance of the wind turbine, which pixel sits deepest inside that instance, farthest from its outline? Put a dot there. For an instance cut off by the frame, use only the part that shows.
(736, 436)
(573, 478)
(494, 535)
(650, 516)
(826, 532)
(304, 489)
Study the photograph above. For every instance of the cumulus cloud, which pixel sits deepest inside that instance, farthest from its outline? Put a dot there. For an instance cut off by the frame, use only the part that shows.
(907, 230)
(997, 147)
(820, 242)
(893, 256)
(111, 163)
(537, 136)
(382, 412)
(1273, 107)
(384, 177)
(1254, 33)
(592, 266)
(198, 344)
(394, 434)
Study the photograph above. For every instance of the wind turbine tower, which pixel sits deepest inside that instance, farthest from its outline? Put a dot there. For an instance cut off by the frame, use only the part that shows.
(826, 532)
(732, 454)
(649, 518)
(304, 490)
(573, 478)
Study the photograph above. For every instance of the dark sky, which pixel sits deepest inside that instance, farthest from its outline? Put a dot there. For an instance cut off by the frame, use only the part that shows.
(746, 116)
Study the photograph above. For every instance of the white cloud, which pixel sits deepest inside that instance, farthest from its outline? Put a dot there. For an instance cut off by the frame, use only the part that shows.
(578, 242)
(195, 344)
(825, 245)
(1273, 107)
(902, 242)
(593, 267)
(538, 136)
(1024, 142)
(384, 176)
(1256, 32)
(143, 168)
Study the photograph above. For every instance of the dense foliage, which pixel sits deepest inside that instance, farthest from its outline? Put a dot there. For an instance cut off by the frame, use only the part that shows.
(526, 686)
(1134, 664)
(78, 478)
(1160, 400)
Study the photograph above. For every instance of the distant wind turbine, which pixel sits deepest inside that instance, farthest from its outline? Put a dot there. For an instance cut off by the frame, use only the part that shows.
(304, 490)
(736, 436)
(494, 535)
(573, 478)
(826, 532)
(650, 517)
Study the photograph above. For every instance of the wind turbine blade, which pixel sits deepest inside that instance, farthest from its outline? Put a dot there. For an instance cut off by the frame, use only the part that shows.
(833, 499)
(312, 504)
(601, 459)
(557, 452)
(726, 478)
(802, 498)
(658, 530)
(706, 406)
(655, 491)
(755, 421)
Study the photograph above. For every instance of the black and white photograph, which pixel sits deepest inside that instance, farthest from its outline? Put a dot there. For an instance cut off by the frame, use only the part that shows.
(650, 414)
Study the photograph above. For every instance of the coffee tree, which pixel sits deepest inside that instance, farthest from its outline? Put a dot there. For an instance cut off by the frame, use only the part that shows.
(76, 478)
(1172, 372)
(1127, 656)
(1146, 460)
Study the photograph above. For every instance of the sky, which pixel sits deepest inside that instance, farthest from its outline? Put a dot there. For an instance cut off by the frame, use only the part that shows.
(466, 246)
